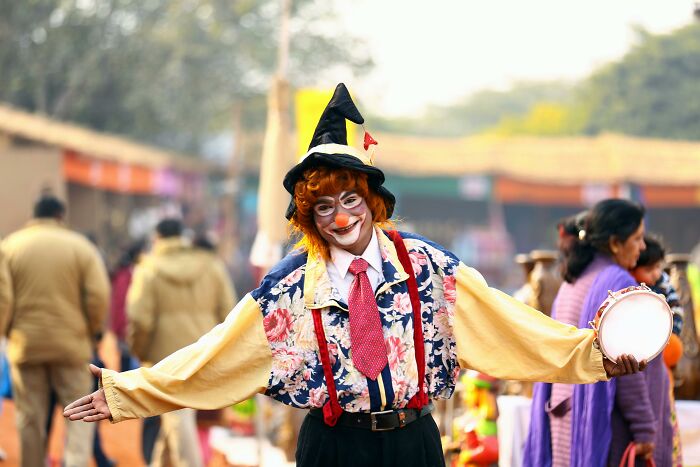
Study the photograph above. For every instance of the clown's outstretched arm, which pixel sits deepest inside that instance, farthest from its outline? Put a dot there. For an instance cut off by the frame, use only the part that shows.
(504, 338)
(229, 364)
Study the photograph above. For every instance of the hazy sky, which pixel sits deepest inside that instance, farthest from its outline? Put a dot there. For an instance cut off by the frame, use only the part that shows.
(437, 51)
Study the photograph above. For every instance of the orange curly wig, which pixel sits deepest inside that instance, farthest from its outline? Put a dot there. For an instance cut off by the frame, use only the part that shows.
(324, 181)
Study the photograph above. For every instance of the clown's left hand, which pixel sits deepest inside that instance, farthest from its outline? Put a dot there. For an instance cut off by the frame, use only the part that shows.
(625, 365)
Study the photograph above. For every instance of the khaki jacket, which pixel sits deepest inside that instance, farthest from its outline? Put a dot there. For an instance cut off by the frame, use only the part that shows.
(177, 294)
(5, 291)
(60, 294)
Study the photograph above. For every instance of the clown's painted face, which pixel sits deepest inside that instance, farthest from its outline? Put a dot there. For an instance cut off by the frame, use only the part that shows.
(344, 220)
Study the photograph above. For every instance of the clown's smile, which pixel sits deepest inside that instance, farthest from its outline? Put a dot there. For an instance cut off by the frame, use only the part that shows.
(349, 234)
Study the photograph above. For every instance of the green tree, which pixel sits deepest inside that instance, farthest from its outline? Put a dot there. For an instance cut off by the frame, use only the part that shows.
(167, 72)
(653, 91)
(480, 111)
(543, 119)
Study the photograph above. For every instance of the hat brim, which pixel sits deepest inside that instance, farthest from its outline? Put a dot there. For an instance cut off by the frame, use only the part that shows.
(375, 177)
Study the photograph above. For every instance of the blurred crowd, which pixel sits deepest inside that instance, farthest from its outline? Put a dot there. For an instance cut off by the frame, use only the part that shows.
(58, 301)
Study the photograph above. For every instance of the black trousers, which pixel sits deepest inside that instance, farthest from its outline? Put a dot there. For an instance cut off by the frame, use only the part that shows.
(417, 444)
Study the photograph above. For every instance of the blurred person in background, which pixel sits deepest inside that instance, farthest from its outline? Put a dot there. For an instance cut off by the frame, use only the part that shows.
(5, 291)
(566, 420)
(98, 453)
(61, 297)
(177, 294)
(525, 293)
(545, 281)
(541, 283)
(649, 271)
(121, 280)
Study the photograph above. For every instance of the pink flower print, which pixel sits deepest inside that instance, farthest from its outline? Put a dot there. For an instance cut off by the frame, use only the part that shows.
(400, 386)
(448, 285)
(285, 361)
(418, 260)
(306, 374)
(332, 352)
(396, 352)
(442, 323)
(292, 278)
(317, 397)
(277, 325)
(402, 303)
(364, 394)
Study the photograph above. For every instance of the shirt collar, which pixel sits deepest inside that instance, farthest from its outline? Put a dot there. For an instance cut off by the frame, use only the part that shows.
(341, 259)
(318, 289)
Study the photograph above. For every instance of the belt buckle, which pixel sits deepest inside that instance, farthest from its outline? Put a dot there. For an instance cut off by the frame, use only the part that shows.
(373, 419)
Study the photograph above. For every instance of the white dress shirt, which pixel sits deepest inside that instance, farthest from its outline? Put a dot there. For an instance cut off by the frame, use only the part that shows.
(339, 264)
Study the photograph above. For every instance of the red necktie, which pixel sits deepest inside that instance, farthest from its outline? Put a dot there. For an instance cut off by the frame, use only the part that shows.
(366, 335)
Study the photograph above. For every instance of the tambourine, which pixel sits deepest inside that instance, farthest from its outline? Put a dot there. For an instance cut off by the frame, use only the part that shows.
(634, 321)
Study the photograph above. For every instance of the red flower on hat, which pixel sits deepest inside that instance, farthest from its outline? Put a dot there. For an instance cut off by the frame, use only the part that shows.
(369, 140)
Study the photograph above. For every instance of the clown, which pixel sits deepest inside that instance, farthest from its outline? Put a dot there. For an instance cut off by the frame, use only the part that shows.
(360, 326)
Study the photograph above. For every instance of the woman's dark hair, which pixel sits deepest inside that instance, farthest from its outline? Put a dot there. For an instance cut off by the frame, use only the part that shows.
(568, 229)
(132, 252)
(654, 252)
(204, 241)
(609, 218)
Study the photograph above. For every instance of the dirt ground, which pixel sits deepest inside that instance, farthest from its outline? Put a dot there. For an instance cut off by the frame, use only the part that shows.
(121, 442)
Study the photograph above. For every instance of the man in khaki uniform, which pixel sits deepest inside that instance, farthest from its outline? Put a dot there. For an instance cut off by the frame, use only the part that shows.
(177, 294)
(60, 299)
(5, 291)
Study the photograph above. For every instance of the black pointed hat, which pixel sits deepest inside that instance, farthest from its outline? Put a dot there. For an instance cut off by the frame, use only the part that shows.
(329, 147)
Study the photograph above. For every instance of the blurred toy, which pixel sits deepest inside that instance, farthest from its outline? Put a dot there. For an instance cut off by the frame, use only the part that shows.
(475, 440)
(241, 417)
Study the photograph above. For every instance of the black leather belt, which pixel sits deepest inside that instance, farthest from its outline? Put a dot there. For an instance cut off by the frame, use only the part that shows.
(378, 421)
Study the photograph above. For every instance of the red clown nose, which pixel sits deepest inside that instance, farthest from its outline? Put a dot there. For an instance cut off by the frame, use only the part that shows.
(342, 219)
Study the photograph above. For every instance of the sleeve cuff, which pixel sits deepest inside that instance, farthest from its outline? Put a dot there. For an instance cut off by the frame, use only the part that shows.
(108, 386)
(644, 437)
(597, 363)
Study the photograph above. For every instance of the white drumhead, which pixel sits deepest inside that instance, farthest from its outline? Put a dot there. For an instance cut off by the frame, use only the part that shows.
(638, 323)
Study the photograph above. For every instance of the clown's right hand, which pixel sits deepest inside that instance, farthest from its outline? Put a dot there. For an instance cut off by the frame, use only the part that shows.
(90, 408)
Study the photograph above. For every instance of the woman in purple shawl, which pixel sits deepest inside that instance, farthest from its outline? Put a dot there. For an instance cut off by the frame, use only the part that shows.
(590, 425)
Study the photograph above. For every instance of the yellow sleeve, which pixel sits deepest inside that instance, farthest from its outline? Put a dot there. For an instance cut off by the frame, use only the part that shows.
(504, 338)
(225, 366)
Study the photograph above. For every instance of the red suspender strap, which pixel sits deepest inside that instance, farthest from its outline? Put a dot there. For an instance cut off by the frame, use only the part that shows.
(420, 398)
(331, 409)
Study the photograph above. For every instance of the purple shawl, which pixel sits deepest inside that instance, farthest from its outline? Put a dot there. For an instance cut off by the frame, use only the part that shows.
(592, 404)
